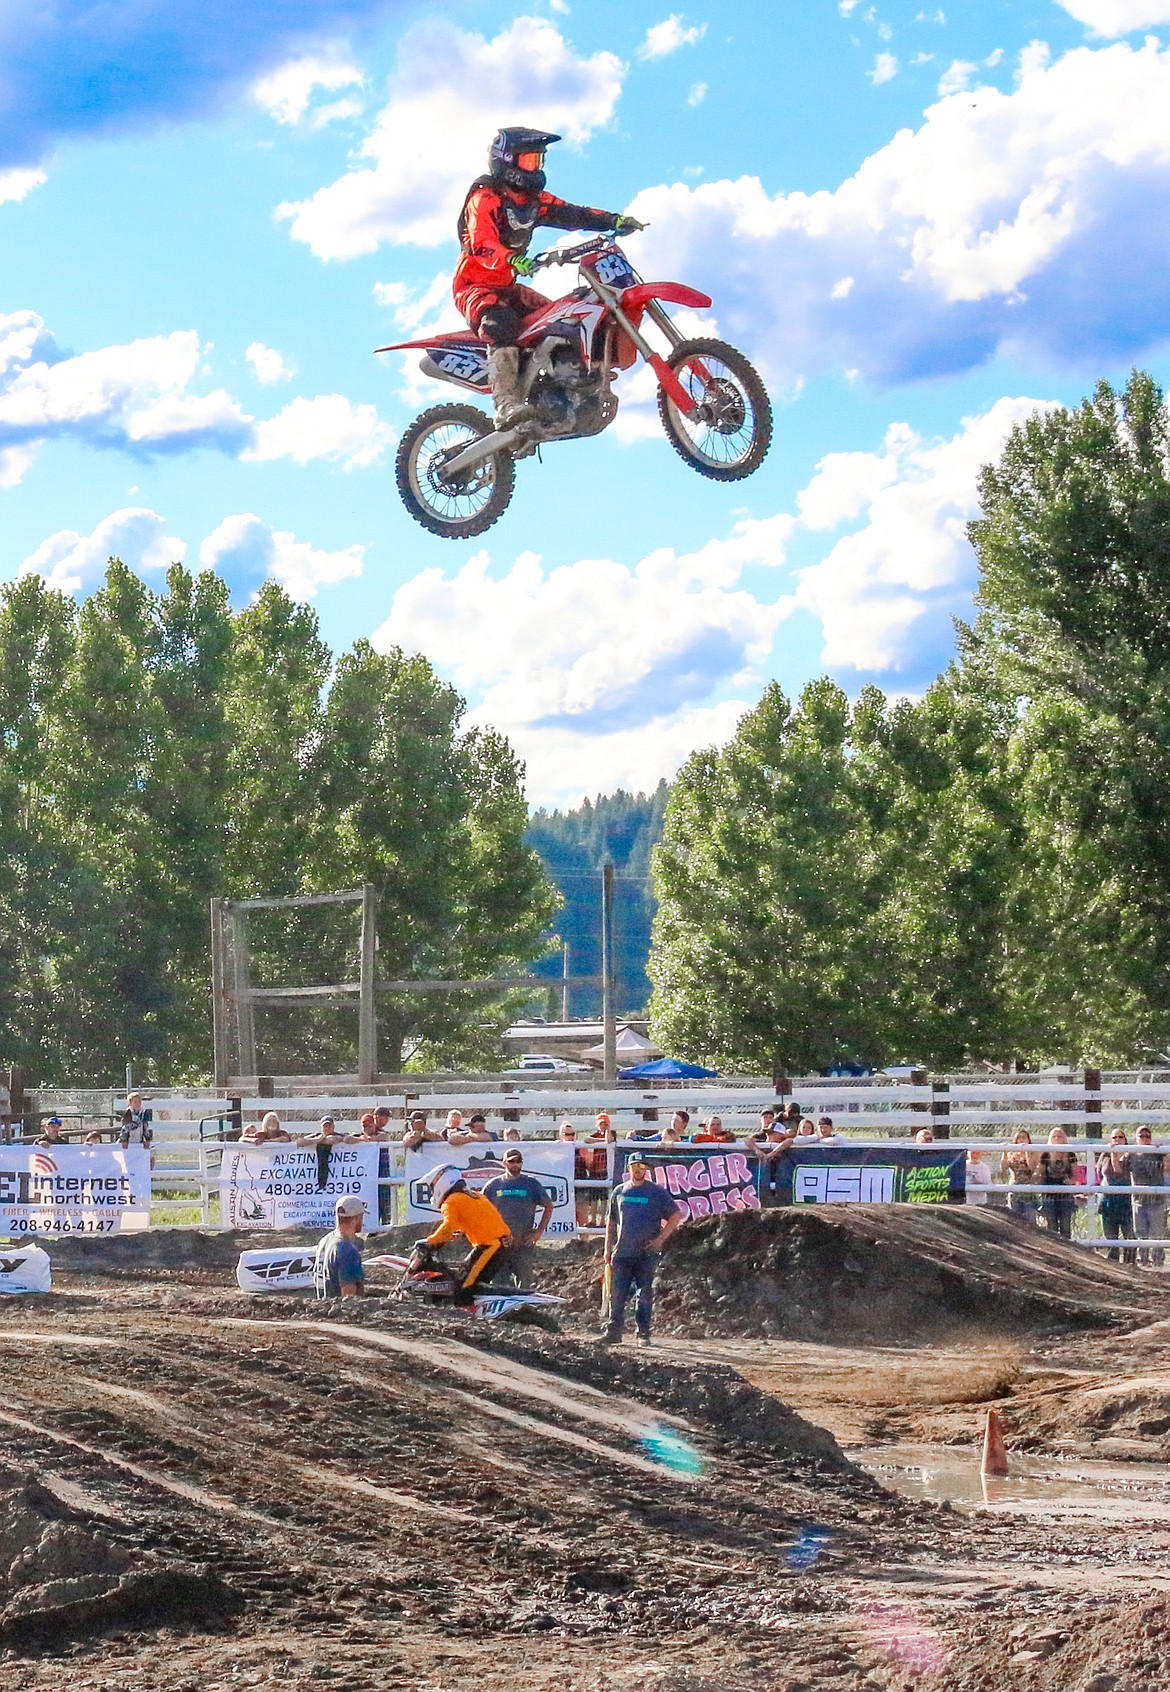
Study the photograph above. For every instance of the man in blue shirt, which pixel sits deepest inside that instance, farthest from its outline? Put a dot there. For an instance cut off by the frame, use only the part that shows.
(518, 1198)
(642, 1217)
(337, 1266)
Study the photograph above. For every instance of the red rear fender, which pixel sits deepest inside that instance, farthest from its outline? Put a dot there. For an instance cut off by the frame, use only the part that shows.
(457, 338)
(674, 293)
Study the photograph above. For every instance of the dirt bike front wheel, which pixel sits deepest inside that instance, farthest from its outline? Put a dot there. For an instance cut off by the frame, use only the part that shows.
(728, 435)
(462, 505)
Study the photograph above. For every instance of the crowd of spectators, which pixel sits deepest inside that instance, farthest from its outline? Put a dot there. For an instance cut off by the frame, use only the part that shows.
(1128, 1181)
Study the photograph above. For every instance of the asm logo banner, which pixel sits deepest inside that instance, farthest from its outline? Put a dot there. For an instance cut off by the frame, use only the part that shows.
(877, 1175)
(74, 1190)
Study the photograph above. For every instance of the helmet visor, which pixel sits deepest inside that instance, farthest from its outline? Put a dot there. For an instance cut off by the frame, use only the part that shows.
(530, 161)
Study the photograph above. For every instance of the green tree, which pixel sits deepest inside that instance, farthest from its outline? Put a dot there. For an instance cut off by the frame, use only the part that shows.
(1074, 631)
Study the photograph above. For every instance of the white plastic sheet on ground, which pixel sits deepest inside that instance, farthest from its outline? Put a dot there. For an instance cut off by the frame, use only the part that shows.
(25, 1269)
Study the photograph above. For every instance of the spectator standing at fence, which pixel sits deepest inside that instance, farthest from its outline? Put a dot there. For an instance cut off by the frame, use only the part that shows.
(136, 1129)
(1147, 1168)
(768, 1147)
(368, 1130)
(252, 1134)
(51, 1134)
(713, 1133)
(382, 1118)
(1023, 1170)
(1116, 1202)
(322, 1142)
(806, 1129)
(527, 1209)
(1058, 1166)
(416, 1133)
(825, 1130)
(642, 1217)
(924, 1137)
(603, 1128)
(337, 1265)
(454, 1132)
(511, 1132)
(273, 1131)
(478, 1132)
(791, 1116)
(978, 1177)
(672, 1135)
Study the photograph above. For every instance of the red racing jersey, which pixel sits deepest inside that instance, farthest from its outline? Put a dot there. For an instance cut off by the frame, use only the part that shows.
(496, 225)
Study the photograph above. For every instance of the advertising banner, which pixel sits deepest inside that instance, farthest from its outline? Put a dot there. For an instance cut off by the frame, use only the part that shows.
(74, 1189)
(705, 1180)
(870, 1175)
(549, 1161)
(279, 1186)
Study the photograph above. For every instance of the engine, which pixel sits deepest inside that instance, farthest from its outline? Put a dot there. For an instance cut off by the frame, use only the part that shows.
(567, 398)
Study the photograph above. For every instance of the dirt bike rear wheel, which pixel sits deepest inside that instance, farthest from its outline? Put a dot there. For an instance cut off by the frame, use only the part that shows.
(456, 507)
(731, 434)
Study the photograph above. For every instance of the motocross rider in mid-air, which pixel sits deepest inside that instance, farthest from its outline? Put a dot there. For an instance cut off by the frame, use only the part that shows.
(495, 227)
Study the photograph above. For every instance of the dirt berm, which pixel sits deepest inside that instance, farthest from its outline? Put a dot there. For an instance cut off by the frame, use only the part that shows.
(881, 1273)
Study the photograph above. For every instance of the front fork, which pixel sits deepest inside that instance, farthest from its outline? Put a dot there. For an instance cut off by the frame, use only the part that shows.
(658, 364)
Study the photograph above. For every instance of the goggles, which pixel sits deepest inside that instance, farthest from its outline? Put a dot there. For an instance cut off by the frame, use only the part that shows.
(530, 161)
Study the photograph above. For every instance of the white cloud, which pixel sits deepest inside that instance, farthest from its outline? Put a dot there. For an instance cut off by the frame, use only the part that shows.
(414, 307)
(1117, 17)
(450, 92)
(886, 593)
(16, 184)
(1034, 222)
(267, 364)
(668, 36)
(885, 69)
(616, 663)
(75, 563)
(698, 93)
(605, 674)
(287, 93)
(957, 77)
(137, 397)
(329, 426)
(245, 548)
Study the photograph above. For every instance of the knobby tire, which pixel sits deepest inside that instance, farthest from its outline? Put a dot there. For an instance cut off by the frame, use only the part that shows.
(407, 473)
(758, 408)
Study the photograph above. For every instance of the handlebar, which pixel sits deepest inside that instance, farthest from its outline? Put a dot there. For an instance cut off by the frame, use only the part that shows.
(570, 255)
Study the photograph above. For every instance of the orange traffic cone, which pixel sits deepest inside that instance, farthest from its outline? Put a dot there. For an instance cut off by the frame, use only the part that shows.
(995, 1461)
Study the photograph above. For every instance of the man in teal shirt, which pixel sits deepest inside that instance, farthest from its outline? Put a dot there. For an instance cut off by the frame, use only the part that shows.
(642, 1217)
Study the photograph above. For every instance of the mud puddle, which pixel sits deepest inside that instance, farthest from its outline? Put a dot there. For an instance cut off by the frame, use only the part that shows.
(1039, 1487)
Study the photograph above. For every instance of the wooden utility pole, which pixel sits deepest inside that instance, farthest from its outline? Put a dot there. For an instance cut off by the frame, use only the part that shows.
(242, 988)
(609, 1026)
(367, 1009)
(564, 981)
(219, 1001)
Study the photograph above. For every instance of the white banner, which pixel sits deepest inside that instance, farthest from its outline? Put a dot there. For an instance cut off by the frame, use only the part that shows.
(276, 1186)
(74, 1189)
(549, 1161)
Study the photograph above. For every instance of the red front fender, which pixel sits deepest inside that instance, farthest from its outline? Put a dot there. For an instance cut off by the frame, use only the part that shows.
(635, 298)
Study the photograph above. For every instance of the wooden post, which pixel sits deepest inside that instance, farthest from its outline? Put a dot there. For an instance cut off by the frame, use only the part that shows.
(940, 1109)
(1092, 1085)
(241, 991)
(609, 1026)
(367, 1009)
(219, 1003)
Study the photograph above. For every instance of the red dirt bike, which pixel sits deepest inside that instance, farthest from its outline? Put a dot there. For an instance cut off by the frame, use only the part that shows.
(456, 472)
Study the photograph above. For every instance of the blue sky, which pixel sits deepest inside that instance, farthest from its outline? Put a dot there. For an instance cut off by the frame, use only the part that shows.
(920, 222)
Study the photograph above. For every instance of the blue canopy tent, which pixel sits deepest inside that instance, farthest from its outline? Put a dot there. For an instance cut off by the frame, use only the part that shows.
(666, 1069)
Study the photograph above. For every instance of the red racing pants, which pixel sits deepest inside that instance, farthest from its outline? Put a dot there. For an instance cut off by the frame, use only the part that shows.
(498, 314)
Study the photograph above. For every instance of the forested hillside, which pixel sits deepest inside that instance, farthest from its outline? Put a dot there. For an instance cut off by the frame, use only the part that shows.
(573, 846)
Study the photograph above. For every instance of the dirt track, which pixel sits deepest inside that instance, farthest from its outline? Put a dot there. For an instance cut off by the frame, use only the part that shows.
(394, 1499)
